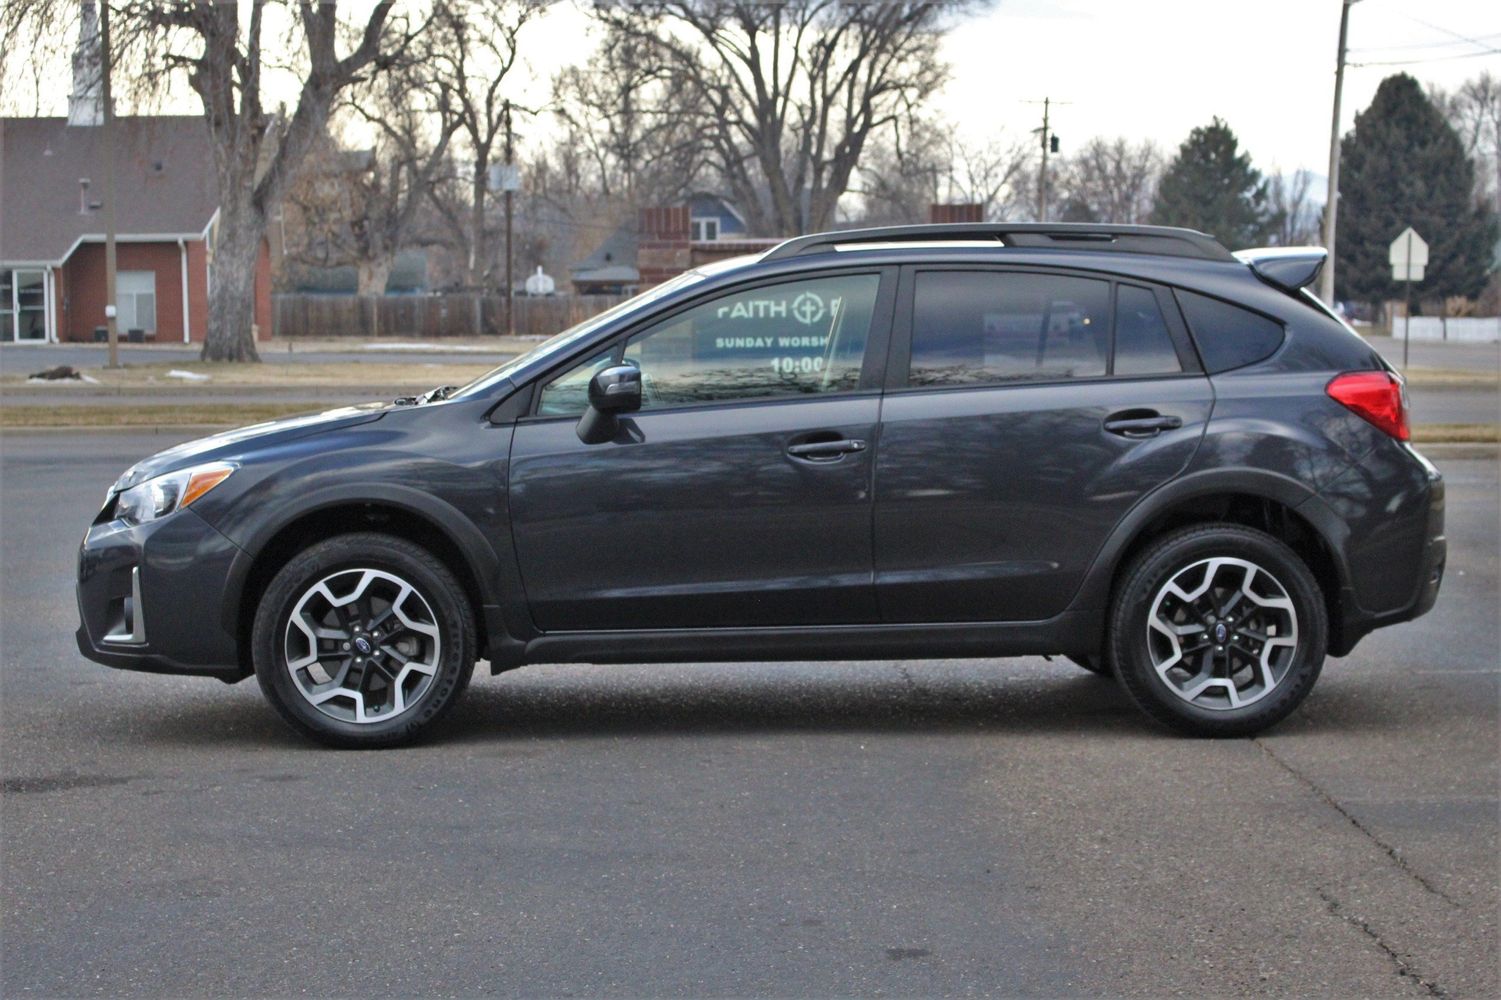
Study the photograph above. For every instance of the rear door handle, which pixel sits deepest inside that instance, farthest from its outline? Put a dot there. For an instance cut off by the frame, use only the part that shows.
(823, 451)
(1140, 424)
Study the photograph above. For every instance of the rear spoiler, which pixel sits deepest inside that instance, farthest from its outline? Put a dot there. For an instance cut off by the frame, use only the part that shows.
(1289, 268)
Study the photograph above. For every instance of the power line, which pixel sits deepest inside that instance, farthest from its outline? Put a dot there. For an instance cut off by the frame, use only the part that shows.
(1412, 62)
(1479, 39)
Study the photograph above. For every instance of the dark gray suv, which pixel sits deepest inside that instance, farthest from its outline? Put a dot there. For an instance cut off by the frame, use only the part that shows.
(1125, 445)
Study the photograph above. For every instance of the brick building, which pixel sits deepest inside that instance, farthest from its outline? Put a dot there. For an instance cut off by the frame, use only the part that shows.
(52, 277)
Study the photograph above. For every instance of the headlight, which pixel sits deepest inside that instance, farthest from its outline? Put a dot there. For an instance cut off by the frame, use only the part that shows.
(161, 496)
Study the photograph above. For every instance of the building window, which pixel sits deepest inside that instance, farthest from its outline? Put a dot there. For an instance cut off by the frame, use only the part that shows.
(23, 305)
(703, 229)
(135, 292)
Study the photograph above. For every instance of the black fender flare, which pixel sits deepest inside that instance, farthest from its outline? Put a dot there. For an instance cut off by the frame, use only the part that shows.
(1094, 592)
(484, 564)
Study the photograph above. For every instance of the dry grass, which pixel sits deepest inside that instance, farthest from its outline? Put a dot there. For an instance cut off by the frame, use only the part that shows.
(298, 375)
(1454, 378)
(149, 415)
(1456, 433)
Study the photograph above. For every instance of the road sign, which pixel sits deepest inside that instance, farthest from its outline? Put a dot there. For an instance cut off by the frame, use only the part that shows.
(1408, 256)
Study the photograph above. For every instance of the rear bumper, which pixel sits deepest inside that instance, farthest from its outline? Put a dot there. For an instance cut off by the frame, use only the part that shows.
(1396, 551)
(150, 596)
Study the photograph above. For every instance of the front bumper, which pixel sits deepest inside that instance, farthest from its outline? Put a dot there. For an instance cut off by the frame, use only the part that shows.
(150, 597)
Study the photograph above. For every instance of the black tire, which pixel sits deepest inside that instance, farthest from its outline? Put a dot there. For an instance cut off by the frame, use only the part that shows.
(1180, 552)
(1095, 664)
(452, 625)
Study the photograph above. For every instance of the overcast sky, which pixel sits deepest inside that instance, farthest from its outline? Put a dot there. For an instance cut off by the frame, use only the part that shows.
(1157, 68)
(1141, 68)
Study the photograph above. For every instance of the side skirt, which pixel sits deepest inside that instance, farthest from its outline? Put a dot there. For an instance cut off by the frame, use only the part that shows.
(1076, 632)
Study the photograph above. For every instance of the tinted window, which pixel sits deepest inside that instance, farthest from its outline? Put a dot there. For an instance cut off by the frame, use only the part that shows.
(1228, 336)
(777, 340)
(1143, 345)
(788, 339)
(973, 327)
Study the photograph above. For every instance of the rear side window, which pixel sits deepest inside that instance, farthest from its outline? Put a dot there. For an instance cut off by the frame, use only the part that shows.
(1228, 336)
(977, 327)
(1143, 345)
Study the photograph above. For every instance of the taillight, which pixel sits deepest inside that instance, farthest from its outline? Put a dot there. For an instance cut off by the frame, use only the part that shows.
(1379, 397)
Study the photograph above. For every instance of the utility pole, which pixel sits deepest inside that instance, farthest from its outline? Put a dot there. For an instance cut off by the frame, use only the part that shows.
(1331, 199)
(1049, 145)
(1042, 176)
(107, 143)
(509, 196)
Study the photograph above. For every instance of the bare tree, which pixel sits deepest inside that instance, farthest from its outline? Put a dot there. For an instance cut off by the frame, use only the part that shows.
(1474, 111)
(473, 51)
(906, 170)
(1296, 218)
(222, 51)
(791, 92)
(361, 207)
(1110, 180)
(630, 134)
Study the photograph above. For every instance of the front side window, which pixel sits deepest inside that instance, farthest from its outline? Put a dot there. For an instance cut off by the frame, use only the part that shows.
(795, 338)
(978, 327)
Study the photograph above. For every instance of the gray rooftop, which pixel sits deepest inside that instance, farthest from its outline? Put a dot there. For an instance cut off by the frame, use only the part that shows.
(164, 183)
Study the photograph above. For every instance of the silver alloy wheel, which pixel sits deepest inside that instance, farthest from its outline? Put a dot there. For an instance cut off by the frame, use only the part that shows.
(362, 645)
(1222, 633)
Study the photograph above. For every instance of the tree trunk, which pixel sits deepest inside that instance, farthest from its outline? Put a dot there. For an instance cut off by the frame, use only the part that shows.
(373, 275)
(231, 299)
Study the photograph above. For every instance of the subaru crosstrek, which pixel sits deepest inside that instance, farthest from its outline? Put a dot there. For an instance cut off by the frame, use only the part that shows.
(1123, 445)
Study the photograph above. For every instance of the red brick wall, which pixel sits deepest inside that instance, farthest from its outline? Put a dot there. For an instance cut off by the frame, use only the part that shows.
(80, 288)
(662, 248)
(956, 213)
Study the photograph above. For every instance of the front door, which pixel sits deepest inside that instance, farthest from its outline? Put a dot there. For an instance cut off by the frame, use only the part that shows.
(739, 495)
(1028, 412)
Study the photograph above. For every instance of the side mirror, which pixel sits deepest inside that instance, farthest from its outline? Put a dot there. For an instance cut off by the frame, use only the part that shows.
(612, 390)
(616, 389)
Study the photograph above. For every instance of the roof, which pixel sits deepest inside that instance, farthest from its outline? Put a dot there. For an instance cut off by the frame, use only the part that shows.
(165, 186)
(610, 274)
(617, 250)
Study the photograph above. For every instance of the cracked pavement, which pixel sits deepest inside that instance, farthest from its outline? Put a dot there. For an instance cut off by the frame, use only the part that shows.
(961, 827)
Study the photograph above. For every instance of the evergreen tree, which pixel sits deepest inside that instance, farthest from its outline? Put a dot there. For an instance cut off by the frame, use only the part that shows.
(1211, 186)
(1403, 165)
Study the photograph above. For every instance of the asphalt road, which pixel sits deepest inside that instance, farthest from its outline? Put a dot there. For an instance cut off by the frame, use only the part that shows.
(899, 828)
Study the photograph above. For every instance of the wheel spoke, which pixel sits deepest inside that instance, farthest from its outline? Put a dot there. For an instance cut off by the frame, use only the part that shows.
(340, 610)
(1222, 632)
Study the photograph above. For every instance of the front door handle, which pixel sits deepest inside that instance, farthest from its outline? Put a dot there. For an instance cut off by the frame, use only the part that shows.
(823, 451)
(1141, 423)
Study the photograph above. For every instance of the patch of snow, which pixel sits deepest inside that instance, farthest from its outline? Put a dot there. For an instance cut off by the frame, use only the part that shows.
(188, 376)
(435, 348)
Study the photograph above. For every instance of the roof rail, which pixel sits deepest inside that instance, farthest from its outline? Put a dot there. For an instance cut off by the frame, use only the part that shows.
(1164, 240)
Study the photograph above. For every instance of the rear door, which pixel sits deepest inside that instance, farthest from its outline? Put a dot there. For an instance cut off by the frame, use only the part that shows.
(740, 493)
(1026, 412)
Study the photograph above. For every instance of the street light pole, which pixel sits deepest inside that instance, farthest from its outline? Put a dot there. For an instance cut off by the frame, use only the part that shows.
(1331, 200)
(107, 143)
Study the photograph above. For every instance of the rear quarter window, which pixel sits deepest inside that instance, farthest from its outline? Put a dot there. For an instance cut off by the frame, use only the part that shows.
(1228, 336)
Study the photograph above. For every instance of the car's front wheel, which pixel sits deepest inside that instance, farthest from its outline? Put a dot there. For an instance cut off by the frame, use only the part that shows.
(363, 640)
(1218, 630)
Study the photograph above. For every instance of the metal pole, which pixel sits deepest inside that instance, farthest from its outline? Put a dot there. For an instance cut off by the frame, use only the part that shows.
(1407, 303)
(510, 280)
(107, 157)
(1042, 177)
(1331, 200)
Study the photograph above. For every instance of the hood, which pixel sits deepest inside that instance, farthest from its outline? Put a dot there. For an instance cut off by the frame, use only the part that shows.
(230, 444)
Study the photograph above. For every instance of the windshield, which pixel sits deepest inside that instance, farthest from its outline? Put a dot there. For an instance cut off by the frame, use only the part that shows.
(560, 343)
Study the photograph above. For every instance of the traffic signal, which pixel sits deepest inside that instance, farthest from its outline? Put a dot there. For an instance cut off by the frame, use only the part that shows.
(1052, 144)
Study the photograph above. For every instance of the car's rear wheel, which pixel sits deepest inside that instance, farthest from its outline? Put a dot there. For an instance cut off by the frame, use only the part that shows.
(363, 640)
(1218, 630)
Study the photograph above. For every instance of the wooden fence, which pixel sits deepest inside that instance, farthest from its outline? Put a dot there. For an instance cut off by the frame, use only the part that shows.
(419, 317)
